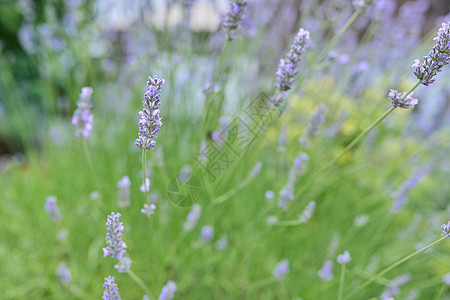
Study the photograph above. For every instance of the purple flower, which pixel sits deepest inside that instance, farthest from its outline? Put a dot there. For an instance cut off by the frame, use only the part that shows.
(233, 18)
(344, 258)
(150, 122)
(207, 233)
(111, 290)
(313, 126)
(222, 243)
(269, 195)
(115, 247)
(326, 272)
(52, 208)
(281, 270)
(124, 265)
(192, 217)
(82, 117)
(168, 291)
(446, 279)
(288, 68)
(446, 229)
(145, 188)
(307, 213)
(438, 57)
(148, 209)
(402, 100)
(256, 169)
(394, 286)
(63, 273)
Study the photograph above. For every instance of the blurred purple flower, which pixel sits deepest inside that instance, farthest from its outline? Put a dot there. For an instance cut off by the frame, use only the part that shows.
(124, 265)
(82, 117)
(326, 272)
(234, 17)
(287, 193)
(282, 141)
(344, 258)
(402, 100)
(207, 233)
(52, 208)
(446, 279)
(148, 209)
(446, 229)
(124, 192)
(281, 270)
(313, 126)
(307, 213)
(192, 217)
(63, 273)
(168, 291)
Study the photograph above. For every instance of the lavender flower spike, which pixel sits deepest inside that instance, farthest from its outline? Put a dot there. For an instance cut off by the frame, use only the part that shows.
(234, 17)
(150, 122)
(111, 290)
(401, 100)
(344, 258)
(288, 68)
(281, 270)
(438, 57)
(326, 272)
(115, 247)
(446, 229)
(168, 291)
(82, 117)
(52, 208)
(313, 126)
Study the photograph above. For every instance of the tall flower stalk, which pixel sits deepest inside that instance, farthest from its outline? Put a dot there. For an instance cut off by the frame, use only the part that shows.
(150, 121)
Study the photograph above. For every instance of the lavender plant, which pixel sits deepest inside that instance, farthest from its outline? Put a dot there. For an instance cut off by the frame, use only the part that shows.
(82, 117)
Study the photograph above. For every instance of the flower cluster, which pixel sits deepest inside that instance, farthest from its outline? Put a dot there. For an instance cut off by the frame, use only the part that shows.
(446, 229)
(150, 122)
(124, 265)
(438, 57)
(115, 247)
(402, 100)
(288, 67)
(52, 208)
(287, 193)
(234, 17)
(313, 126)
(168, 291)
(82, 117)
(63, 273)
(307, 213)
(281, 270)
(193, 217)
(326, 273)
(111, 290)
(207, 233)
(148, 209)
(344, 258)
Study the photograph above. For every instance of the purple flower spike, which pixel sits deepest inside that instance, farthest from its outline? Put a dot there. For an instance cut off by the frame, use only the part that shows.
(168, 291)
(281, 270)
(234, 17)
(446, 229)
(326, 272)
(124, 265)
(82, 117)
(401, 100)
(437, 58)
(115, 247)
(63, 273)
(150, 122)
(111, 290)
(149, 209)
(344, 258)
(288, 68)
(207, 233)
(52, 208)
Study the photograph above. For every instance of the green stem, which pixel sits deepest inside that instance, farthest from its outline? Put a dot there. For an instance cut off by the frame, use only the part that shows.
(88, 156)
(141, 283)
(441, 291)
(381, 273)
(338, 36)
(341, 282)
(233, 191)
(144, 173)
(222, 58)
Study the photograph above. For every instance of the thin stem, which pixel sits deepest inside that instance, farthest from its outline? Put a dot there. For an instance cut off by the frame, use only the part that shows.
(233, 191)
(338, 36)
(140, 283)
(289, 223)
(341, 282)
(381, 273)
(88, 156)
(441, 291)
(143, 173)
(222, 58)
